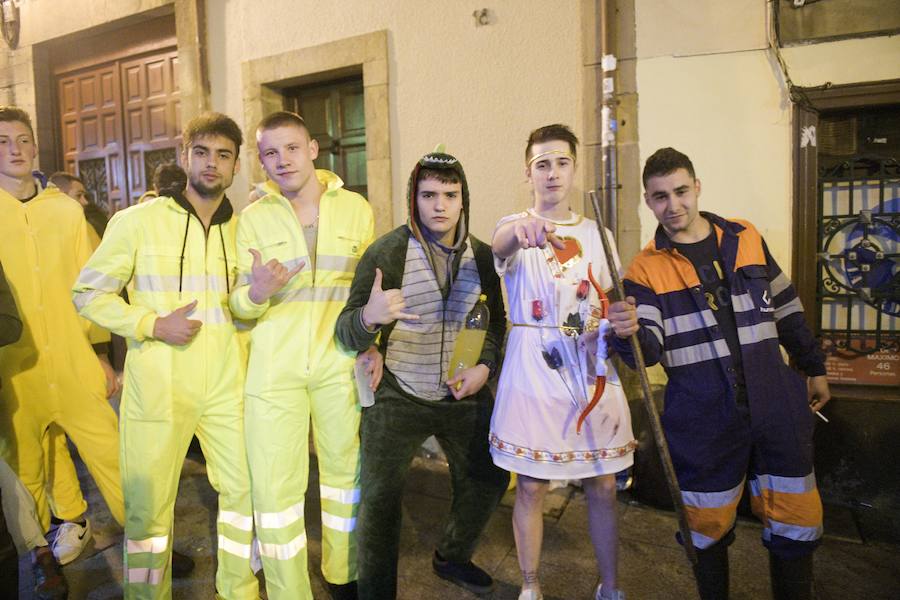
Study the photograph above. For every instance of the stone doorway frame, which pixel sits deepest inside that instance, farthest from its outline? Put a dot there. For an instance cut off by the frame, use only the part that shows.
(266, 78)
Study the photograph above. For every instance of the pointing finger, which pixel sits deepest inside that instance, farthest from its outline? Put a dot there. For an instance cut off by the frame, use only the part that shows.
(376, 283)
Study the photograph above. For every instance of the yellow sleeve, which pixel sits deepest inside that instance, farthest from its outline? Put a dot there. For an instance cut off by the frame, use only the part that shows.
(368, 228)
(109, 269)
(86, 242)
(239, 301)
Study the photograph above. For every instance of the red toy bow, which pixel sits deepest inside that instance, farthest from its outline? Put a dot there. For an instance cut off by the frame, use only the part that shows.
(601, 379)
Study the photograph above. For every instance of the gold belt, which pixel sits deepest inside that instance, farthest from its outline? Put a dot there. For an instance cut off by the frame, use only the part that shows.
(564, 328)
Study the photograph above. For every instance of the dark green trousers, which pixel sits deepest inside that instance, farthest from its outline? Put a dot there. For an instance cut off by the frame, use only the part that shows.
(390, 434)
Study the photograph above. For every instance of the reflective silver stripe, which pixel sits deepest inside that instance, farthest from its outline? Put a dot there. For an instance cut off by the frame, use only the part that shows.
(344, 496)
(701, 541)
(151, 576)
(237, 520)
(753, 334)
(658, 333)
(787, 485)
(292, 263)
(651, 313)
(82, 299)
(713, 499)
(283, 551)
(189, 283)
(99, 280)
(742, 302)
(314, 294)
(779, 284)
(344, 524)
(329, 262)
(211, 316)
(788, 309)
(793, 532)
(278, 520)
(232, 547)
(697, 353)
(154, 545)
(243, 279)
(689, 322)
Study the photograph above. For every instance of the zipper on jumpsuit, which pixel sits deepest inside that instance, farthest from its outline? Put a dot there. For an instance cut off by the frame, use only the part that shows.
(698, 290)
(302, 237)
(206, 353)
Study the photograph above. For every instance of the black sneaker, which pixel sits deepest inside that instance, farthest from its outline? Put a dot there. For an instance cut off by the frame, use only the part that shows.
(343, 591)
(49, 581)
(466, 575)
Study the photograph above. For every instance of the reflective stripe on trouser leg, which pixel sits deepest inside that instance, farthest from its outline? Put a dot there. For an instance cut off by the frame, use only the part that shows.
(711, 515)
(791, 512)
(221, 435)
(146, 564)
(335, 421)
(152, 453)
(277, 427)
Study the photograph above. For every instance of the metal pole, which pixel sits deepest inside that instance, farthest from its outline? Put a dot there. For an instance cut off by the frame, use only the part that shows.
(655, 425)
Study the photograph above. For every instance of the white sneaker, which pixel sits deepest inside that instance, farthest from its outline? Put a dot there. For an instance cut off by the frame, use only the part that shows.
(531, 594)
(614, 595)
(70, 541)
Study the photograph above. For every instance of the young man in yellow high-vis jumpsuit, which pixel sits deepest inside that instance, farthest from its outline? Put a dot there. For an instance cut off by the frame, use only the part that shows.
(297, 251)
(183, 371)
(53, 382)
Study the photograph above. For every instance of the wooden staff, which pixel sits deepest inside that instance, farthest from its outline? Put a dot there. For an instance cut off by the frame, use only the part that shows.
(655, 425)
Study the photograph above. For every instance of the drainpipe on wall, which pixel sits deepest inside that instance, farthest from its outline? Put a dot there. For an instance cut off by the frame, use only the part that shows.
(608, 124)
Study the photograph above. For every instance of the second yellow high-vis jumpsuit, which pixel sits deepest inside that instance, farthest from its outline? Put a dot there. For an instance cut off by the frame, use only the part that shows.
(52, 379)
(174, 392)
(298, 372)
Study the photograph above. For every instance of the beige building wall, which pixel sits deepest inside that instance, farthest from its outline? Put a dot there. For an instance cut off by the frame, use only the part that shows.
(709, 86)
(477, 89)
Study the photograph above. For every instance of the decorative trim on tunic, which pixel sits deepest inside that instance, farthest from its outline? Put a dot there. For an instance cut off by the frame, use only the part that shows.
(545, 456)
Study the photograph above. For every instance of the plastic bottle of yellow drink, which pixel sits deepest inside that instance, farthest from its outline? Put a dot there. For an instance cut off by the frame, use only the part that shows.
(470, 340)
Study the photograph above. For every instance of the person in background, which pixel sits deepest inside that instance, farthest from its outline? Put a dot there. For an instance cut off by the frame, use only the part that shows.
(168, 179)
(73, 187)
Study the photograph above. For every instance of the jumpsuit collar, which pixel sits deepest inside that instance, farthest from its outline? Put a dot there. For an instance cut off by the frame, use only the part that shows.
(721, 226)
(222, 215)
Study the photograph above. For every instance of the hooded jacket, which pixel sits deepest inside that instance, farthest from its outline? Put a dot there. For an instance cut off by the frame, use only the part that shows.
(389, 254)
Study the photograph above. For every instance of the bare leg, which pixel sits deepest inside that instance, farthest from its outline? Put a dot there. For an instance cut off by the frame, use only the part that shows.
(528, 526)
(603, 525)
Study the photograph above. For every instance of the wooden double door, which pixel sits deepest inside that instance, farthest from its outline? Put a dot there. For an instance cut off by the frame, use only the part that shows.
(118, 121)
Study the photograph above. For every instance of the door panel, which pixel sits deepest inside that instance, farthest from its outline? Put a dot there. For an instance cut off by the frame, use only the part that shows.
(118, 121)
(335, 116)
